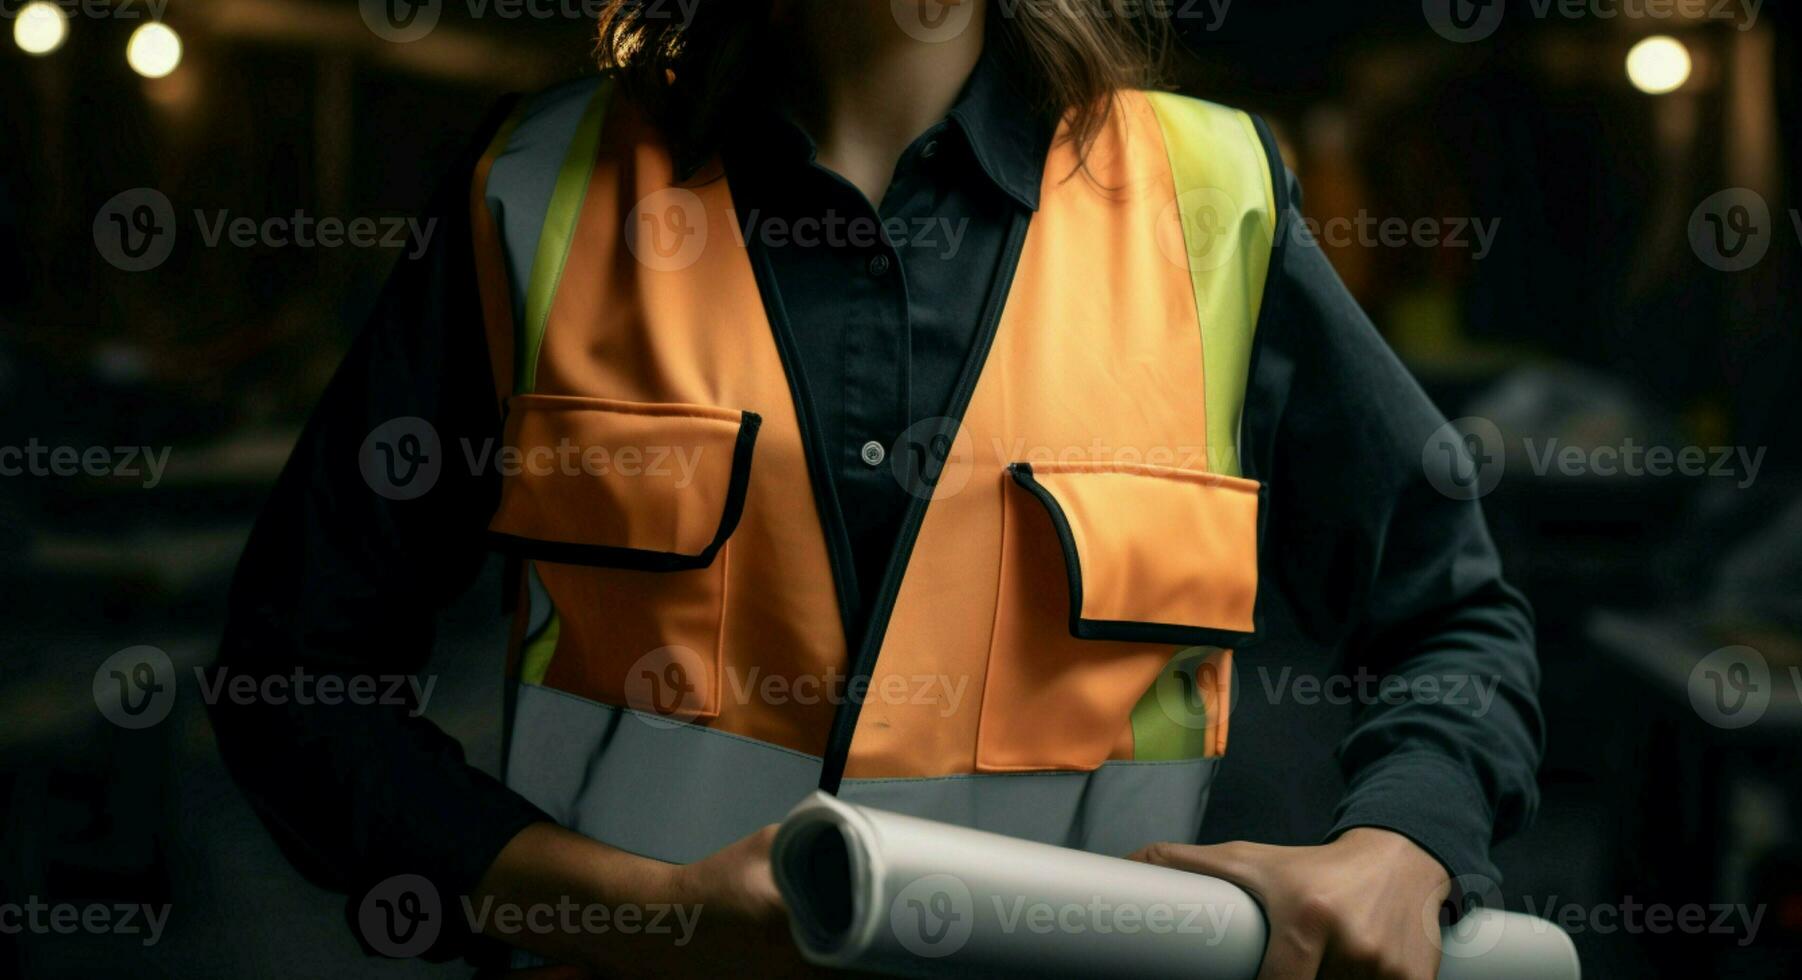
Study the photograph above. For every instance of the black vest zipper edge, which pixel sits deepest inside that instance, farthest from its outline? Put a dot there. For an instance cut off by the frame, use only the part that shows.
(863, 663)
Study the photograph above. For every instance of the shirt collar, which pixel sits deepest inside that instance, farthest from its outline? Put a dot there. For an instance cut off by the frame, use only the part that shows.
(1007, 137)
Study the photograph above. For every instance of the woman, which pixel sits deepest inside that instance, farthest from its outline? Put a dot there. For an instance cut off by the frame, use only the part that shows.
(904, 399)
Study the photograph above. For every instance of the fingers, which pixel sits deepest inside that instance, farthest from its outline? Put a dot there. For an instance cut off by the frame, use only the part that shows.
(1332, 912)
(760, 877)
(763, 837)
(1228, 861)
(1293, 954)
(1406, 956)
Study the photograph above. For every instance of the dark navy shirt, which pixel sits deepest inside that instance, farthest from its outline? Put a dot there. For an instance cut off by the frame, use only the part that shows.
(884, 298)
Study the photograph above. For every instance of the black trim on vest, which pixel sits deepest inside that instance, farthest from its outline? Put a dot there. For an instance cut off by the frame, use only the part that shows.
(863, 663)
(1257, 435)
(1267, 380)
(1125, 631)
(640, 559)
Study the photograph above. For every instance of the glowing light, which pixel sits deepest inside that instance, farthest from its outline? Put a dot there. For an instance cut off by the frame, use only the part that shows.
(154, 50)
(1658, 64)
(40, 27)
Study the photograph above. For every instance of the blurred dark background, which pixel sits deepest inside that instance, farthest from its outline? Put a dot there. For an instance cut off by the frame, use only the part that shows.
(1603, 313)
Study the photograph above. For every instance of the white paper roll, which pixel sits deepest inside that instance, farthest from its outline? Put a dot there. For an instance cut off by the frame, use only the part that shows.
(880, 892)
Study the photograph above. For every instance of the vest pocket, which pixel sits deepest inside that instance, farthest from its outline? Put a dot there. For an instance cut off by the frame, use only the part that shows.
(1105, 568)
(625, 510)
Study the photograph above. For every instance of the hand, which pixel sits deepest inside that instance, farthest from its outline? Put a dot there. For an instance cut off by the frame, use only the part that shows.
(1352, 908)
(737, 922)
(742, 928)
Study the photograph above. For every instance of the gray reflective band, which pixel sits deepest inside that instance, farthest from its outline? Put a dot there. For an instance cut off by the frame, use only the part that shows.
(1115, 810)
(680, 792)
(646, 784)
(538, 602)
(525, 175)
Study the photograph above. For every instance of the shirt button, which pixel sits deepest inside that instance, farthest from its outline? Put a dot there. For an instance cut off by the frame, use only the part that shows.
(873, 453)
(930, 150)
(879, 266)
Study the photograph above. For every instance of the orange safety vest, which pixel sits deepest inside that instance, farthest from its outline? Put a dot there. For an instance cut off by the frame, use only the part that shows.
(1050, 652)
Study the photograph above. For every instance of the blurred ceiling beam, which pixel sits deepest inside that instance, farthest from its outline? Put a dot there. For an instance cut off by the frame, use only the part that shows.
(450, 52)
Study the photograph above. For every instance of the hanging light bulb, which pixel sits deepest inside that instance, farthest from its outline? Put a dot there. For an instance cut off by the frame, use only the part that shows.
(154, 50)
(1658, 64)
(40, 27)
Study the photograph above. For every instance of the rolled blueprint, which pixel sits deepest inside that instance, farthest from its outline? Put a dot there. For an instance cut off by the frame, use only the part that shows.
(881, 892)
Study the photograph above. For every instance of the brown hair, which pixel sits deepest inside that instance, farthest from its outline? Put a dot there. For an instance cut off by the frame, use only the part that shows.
(1071, 56)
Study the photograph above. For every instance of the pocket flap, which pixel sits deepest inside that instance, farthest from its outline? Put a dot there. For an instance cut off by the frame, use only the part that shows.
(592, 481)
(1153, 554)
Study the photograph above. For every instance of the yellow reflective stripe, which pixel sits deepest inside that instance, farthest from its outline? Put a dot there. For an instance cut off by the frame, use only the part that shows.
(1226, 193)
(535, 658)
(1171, 720)
(1227, 197)
(559, 231)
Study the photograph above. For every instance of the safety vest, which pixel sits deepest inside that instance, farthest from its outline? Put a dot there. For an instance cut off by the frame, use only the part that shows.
(1050, 651)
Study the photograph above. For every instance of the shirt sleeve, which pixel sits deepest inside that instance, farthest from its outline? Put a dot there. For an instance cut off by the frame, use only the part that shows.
(1402, 578)
(376, 522)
